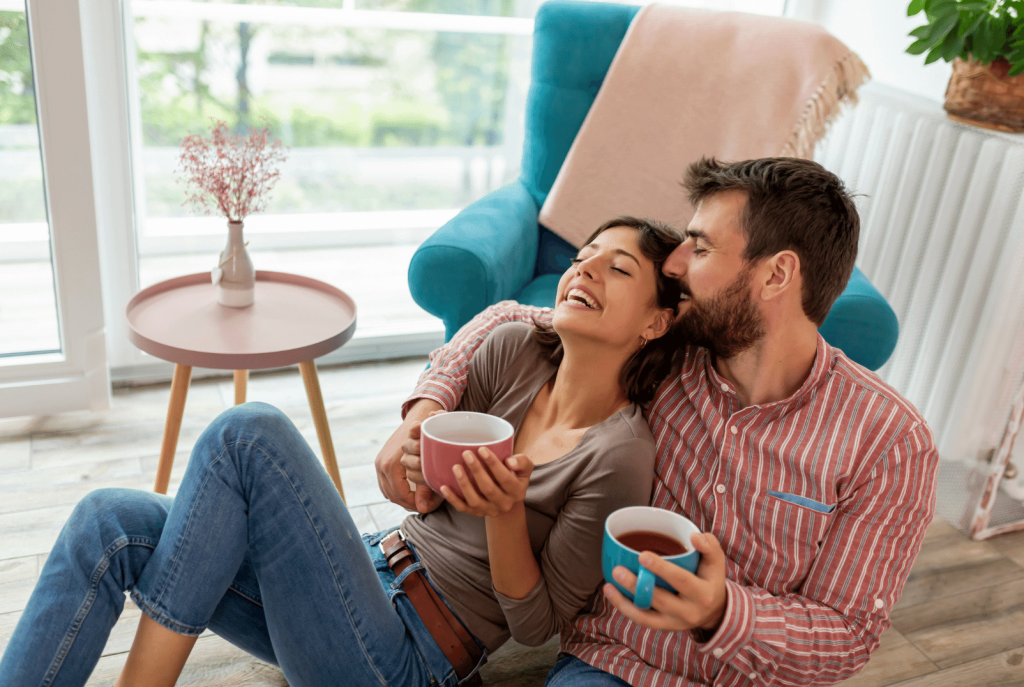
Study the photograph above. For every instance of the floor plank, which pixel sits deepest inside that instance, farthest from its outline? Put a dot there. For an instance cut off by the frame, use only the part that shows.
(961, 628)
(17, 578)
(1001, 670)
(515, 665)
(950, 563)
(15, 454)
(212, 663)
(1011, 545)
(67, 484)
(895, 659)
(31, 532)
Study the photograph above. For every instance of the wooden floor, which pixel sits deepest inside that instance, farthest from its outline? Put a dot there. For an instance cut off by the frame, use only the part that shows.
(960, 620)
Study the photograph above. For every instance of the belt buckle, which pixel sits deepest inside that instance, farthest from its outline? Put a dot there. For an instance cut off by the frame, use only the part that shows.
(401, 537)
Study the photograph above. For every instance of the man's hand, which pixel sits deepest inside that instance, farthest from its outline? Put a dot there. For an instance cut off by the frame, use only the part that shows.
(392, 475)
(701, 598)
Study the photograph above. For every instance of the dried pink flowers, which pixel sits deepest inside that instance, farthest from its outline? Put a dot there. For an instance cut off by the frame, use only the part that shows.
(230, 174)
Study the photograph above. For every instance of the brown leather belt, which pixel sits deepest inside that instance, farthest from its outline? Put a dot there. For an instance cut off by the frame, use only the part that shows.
(456, 643)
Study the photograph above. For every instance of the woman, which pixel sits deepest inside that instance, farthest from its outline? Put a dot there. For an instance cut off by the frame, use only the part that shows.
(257, 516)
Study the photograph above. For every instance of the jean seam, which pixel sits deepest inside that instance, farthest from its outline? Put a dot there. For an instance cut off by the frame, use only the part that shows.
(245, 594)
(337, 578)
(159, 615)
(90, 598)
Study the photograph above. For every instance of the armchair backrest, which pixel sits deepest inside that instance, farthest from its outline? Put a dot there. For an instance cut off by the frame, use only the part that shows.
(573, 46)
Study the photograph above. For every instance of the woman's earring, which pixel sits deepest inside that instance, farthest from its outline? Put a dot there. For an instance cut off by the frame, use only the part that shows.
(643, 342)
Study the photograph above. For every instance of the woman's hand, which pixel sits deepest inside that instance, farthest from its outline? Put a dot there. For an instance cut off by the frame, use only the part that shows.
(499, 486)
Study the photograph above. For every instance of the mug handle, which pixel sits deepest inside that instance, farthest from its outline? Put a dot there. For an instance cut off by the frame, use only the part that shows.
(644, 589)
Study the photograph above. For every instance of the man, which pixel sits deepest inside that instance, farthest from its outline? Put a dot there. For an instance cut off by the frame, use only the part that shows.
(812, 480)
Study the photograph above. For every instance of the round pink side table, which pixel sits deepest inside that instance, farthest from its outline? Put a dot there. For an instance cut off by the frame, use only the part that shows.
(293, 321)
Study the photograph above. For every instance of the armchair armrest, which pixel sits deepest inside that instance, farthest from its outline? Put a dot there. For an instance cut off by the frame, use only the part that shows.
(862, 323)
(485, 254)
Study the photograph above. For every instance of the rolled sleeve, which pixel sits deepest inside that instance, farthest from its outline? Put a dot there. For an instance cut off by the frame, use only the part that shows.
(445, 380)
(530, 619)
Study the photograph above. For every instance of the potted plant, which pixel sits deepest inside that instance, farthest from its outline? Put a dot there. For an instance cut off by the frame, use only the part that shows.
(231, 175)
(984, 41)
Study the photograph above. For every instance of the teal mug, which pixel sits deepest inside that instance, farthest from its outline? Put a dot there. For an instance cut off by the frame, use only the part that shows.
(641, 527)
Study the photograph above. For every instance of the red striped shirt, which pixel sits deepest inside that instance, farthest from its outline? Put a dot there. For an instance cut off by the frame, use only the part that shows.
(820, 502)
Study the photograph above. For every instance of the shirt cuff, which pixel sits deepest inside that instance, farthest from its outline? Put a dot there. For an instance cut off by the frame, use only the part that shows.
(736, 628)
(436, 389)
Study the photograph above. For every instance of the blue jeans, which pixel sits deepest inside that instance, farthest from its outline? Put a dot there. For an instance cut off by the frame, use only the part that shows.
(257, 546)
(570, 671)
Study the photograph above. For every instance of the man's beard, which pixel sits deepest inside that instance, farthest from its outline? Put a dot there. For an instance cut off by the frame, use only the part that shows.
(726, 324)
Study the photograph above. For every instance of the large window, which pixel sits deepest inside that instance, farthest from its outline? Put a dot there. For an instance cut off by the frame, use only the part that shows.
(28, 306)
(52, 348)
(397, 113)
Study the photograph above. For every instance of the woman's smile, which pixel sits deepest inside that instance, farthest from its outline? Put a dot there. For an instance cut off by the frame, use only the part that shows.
(580, 296)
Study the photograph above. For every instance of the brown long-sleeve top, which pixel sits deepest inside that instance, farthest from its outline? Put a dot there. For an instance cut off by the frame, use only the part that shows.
(566, 503)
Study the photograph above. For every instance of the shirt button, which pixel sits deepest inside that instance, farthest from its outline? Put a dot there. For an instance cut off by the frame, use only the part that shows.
(725, 387)
(720, 488)
(753, 676)
(718, 653)
(879, 603)
(733, 429)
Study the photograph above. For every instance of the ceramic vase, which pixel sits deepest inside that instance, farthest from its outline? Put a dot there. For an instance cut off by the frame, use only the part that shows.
(237, 283)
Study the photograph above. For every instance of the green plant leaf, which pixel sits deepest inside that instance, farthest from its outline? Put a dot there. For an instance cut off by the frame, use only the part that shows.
(918, 47)
(952, 46)
(967, 28)
(983, 44)
(934, 56)
(943, 28)
(940, 28)
(975, 5)
(914, 7)
(937, 5)
(1016, 69)
(935, 9)
(920, 31)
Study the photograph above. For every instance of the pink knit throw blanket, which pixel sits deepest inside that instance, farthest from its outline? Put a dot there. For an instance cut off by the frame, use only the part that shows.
(687, 83)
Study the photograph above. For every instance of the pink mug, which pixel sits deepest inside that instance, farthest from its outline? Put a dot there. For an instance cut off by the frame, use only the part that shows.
(444, 437)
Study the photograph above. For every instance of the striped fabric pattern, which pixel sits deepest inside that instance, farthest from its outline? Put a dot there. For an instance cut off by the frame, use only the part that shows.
(809, 592)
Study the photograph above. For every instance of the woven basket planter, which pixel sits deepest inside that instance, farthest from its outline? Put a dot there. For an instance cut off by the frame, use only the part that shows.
(983, 95)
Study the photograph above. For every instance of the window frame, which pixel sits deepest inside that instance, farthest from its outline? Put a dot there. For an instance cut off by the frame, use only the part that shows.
(77, 377)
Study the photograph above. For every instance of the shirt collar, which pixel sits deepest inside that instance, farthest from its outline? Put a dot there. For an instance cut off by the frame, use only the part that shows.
(819, 373)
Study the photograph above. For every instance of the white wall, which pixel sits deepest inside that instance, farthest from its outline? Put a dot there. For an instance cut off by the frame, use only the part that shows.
(877, 30)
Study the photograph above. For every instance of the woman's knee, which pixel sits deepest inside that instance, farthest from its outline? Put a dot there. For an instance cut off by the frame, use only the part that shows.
(245, 432)
(105, 517)
(245, 422)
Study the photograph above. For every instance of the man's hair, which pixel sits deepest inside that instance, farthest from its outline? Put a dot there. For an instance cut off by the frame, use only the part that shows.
(792, 204)
(643, 372)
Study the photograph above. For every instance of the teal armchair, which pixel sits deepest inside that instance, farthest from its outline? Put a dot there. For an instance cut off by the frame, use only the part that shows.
(495, 249)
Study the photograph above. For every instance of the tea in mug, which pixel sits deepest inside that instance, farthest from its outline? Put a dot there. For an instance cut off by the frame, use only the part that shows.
(655, 542)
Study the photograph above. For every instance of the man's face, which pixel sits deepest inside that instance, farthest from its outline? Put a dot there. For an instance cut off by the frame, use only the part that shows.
(717, 310)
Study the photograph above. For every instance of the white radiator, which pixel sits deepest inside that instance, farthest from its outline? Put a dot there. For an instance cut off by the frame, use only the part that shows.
(942, 223)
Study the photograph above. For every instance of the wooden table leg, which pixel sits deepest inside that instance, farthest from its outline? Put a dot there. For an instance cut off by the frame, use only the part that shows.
(172, 428)
(241, 381)
(323, 430)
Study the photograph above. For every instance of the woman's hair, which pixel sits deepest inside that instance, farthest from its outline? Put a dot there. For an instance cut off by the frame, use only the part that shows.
(645, 369)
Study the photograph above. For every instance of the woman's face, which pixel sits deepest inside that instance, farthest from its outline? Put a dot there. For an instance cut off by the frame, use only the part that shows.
(610, 293)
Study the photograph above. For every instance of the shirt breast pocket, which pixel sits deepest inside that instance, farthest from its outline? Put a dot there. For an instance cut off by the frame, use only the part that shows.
(803, 502)
(789, 529)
